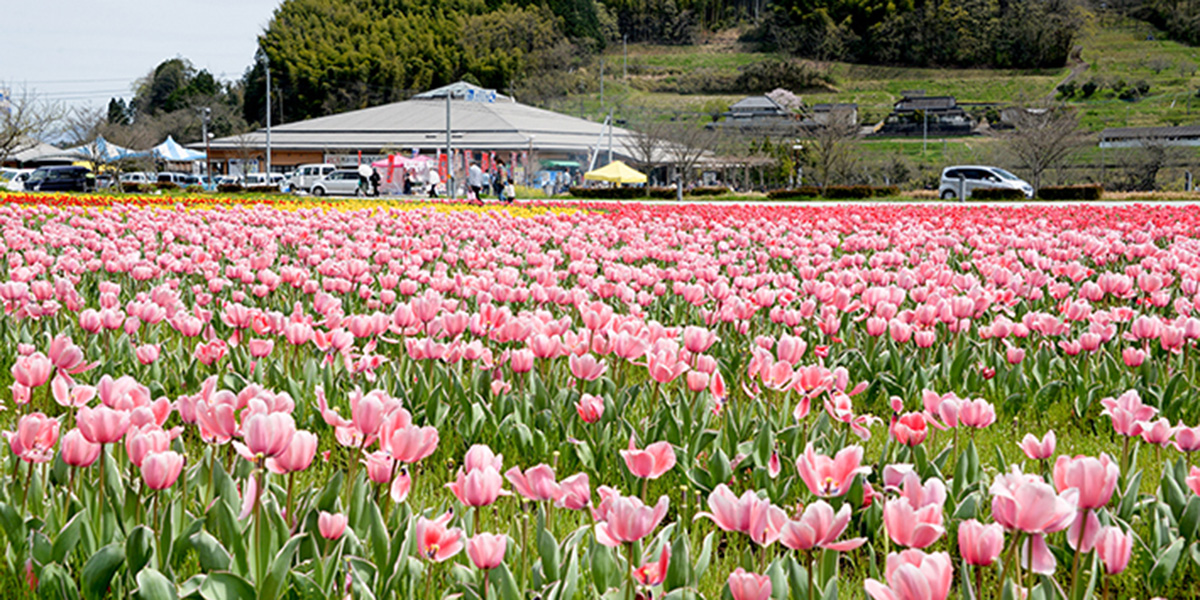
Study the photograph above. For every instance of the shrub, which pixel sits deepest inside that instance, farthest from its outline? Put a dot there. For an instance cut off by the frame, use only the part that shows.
(1071, 192)
(804, 191)
(230, 188)
(997, 194)
(132, 187)
(165, 185)
(1067, 89)
(194, 189)
(1089, 88)
(794, 75)
(614, 193)
(859, 192)
(715, 190)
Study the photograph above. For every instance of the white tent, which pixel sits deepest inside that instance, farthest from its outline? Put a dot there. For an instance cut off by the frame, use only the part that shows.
(172, 151)
(101, 150)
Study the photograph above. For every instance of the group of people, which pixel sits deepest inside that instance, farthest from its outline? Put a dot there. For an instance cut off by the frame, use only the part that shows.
(477, 181)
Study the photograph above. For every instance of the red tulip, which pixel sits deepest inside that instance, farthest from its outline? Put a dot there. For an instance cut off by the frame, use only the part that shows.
(590, 408)
(980, 544)
(655, 572)
(487, 550)
(749, 586)
(651, 463)
(910, 429)
(331, 525)
(435, 541)
(161, 469)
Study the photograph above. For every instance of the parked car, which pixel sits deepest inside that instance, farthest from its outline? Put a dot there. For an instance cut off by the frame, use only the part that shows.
(60, 179)
(229, 180)
(178, 179)
(963, 179)
(15, 181)
(138, 177)
(343, 182)
(305, 176)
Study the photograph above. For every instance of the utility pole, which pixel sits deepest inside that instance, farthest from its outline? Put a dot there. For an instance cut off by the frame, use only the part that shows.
(925, 132)
(610, 135)
(449, 151)
(267, 63)
(602, 84)
(205, 115)
(625, 67)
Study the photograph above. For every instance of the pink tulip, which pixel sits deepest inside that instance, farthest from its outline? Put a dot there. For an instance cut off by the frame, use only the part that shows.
(331, 525)
(535, 484)
(161, 469)
(655, 572)
(626, 520)
(35, 438)
(748, 514)
(830, 477)
(980, 544)
(139, 443)
(910, 526)
(260, 348)
(698, 340)
(1193, 479)
(480, 456)
(586, 367)
(914, 575)
(401, 486)
(486, 550)
(411, 444)
(436, 542)
(1157, 432)
(1039, 449)
(1096, 479)
(590, 408)
(1126, 411)
(1187, 439)
(1133, 357)
(575, 493)
(33, 370)
(651, 463)
(379, 467)
(1115, 547)
(1014, 355)
(521, 361)
(265, 435)
(479, 487)
(819, 527)
(102, 425)
(147, 353)
(749, 586)
(298, 455)
(1026, 503)
(77, 451)
(977, 413)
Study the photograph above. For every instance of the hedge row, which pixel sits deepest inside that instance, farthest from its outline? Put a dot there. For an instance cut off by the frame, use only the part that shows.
(625, 193)
(837, 192)
(1071, 192)
(997, 194)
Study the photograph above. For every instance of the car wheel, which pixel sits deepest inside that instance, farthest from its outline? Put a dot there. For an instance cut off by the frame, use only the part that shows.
(949, 195)
(318, 191)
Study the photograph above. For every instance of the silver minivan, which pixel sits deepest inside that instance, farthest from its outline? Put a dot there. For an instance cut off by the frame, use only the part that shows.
(305, 176)
(959, 181)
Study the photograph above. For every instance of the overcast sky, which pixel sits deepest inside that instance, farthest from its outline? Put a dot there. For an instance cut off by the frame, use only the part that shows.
(85, 52)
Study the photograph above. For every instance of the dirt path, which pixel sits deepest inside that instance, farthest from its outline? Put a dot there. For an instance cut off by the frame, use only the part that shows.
(1076, 70)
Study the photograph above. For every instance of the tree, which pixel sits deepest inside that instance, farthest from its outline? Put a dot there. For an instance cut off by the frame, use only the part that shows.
(1142, 163)
(831, 148)
(1042, 137)
(25, 118)
(648, 144)
(685, 143)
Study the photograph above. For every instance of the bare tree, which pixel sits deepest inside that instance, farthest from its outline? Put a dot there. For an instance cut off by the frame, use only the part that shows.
(647, 143)
(25, 118)
(1042, 137)
(831, 149)
(686, 144)
(1141, 164)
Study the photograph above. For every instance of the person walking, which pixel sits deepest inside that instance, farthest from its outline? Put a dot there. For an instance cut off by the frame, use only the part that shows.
(433, 180)
(475, 182)
(375, 180)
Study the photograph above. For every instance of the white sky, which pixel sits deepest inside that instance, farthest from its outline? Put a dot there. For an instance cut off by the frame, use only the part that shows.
(85, 52)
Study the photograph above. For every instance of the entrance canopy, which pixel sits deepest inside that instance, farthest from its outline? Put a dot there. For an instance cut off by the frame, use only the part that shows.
(101, 150)
(615, 172)
(171, 151)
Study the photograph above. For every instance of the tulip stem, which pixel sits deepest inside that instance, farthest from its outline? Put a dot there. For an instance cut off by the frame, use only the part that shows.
(629, 572)
(1078, 551)
(25, 492)
(812, 566)
(291, 480)
(979, 582)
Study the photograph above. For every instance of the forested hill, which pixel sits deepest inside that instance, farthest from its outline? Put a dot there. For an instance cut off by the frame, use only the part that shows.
(335, 55)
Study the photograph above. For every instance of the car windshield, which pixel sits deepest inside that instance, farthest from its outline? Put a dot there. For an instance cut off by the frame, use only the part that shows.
(1006, 175)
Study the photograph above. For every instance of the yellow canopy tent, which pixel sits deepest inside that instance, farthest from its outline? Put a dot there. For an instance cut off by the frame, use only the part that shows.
(615, 172)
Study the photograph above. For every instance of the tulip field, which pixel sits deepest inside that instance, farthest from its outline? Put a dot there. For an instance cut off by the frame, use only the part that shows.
(384, 400)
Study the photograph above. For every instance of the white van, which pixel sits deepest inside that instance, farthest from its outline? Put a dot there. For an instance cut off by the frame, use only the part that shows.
(305, 176)
(960, 181)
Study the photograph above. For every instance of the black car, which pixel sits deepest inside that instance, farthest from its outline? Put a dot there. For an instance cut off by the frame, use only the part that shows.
(60, 179)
